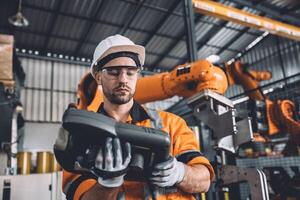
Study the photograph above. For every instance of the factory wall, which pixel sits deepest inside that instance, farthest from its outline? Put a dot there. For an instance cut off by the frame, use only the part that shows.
(49, 87)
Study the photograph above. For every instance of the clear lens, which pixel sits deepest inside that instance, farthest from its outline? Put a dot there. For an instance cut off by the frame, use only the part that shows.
(115, 72)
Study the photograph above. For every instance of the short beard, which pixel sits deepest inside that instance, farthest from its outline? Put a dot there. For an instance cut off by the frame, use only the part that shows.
(118, 100)
(115, 99)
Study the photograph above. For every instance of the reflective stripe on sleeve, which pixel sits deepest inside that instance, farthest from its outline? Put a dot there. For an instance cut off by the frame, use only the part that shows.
(71, 188)
(187, 156)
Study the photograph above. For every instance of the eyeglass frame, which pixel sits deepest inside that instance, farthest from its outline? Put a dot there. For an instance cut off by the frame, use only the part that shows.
(119, 67)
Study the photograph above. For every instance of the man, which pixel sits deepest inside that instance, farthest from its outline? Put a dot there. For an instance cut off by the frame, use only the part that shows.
(116, 63)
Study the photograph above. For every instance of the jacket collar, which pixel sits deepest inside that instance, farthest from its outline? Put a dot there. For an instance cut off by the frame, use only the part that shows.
(137, 113)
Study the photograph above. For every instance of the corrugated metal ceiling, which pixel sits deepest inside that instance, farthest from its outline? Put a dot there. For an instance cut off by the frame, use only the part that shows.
(74, 27)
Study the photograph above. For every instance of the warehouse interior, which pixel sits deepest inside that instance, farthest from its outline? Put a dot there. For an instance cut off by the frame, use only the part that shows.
(245, 111)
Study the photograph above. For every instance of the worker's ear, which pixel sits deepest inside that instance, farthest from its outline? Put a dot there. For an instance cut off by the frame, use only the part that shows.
(98, 78)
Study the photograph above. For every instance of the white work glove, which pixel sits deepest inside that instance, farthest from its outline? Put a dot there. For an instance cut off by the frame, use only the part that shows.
(167, 173)
(112, 160)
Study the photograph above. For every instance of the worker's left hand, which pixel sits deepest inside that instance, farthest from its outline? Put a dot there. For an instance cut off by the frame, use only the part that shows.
(111, 160)
(167, 173)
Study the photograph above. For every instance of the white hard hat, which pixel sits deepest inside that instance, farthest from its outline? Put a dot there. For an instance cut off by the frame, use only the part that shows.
(114, 44)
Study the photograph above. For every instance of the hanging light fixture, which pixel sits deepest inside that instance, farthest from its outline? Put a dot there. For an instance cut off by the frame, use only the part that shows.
(18, 19)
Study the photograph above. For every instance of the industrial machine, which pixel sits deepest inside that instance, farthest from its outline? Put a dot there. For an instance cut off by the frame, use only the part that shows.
(275, 124)
(189, 79)
(230, 132)
(280, 114)
(202, 80)
(203, 84)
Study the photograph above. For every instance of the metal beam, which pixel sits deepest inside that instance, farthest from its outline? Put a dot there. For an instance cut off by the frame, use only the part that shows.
(211, 33)
(131, 15)
(189, 25)
(88, 28)
(219, 10)
(230, 28)
(269, 10)
(161, 22)
(54, 19)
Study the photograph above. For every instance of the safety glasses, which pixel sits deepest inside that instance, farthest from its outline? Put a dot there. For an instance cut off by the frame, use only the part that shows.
(113, 72)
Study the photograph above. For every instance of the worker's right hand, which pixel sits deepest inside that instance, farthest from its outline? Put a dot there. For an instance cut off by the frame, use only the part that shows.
(112, 160)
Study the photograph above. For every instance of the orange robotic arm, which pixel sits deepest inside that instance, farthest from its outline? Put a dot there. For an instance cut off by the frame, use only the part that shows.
(249, 79)
(280, 114)
(287, 113)
(185, 80)
(281, 118)
(89, 93)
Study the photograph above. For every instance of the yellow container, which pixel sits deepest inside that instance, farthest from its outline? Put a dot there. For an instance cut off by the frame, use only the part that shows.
(43, 162)
(24, 162)
(54, 164)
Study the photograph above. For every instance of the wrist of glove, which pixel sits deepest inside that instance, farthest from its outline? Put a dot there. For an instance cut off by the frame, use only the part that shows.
(168, 173)
(112, 182)
(111, 160)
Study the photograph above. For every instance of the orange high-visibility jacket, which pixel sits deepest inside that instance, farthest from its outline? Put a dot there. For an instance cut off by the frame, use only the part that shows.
(184, 146)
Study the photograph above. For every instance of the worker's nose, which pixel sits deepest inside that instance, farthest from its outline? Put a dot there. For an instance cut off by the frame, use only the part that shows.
(123, 76)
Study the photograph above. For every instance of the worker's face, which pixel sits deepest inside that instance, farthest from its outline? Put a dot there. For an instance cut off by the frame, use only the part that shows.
(118, 79)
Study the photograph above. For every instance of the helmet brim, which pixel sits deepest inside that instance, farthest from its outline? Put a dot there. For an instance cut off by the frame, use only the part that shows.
(138, 49)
